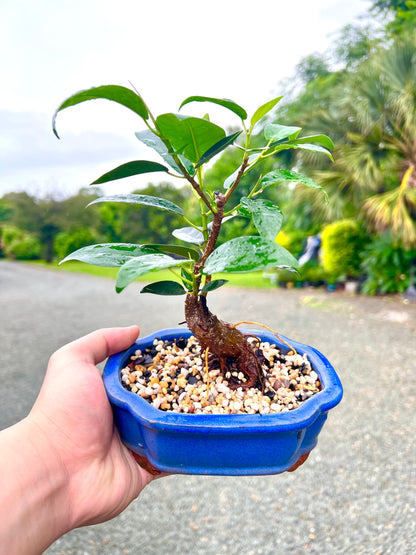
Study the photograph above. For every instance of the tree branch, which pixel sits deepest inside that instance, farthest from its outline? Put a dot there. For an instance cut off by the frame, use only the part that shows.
(196, 187)
(237, 179)
(220, 201)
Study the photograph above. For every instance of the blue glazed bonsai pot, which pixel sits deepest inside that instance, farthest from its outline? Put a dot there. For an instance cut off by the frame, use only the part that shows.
(252, 444)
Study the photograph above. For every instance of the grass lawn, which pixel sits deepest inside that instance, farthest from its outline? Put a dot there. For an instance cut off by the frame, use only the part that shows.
(250, 279)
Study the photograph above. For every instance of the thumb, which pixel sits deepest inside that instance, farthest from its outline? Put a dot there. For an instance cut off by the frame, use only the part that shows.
(97, 346)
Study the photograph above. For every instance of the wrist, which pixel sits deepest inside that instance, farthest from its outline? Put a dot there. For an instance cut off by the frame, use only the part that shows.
(36, 487)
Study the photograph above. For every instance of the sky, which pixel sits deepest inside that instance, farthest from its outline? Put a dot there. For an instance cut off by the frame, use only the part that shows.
(169, 50)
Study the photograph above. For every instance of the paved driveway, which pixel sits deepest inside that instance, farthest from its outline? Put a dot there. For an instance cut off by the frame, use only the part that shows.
(356, 494)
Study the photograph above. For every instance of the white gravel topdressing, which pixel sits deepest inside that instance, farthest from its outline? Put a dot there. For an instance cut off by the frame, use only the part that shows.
(172, 376)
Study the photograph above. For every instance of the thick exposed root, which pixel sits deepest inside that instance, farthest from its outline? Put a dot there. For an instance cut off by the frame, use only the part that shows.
(223, 341)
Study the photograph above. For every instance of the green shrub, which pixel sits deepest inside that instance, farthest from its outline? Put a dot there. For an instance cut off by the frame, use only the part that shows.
(67, 242)
(313, 273)
(20, 244)
(341, 247)
(386, 266)
(9, 233)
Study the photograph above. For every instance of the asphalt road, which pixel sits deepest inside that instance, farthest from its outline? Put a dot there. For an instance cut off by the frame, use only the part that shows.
(356, 493)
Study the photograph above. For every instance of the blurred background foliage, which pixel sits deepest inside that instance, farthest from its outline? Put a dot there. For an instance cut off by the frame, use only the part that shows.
(362, 93)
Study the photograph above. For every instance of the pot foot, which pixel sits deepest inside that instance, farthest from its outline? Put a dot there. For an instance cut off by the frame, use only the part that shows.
(145, 464)
(299, 462)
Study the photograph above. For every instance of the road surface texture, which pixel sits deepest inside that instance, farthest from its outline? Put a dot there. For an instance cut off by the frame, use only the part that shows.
(356, 493)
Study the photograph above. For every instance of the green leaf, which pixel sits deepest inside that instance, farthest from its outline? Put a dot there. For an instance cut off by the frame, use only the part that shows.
(279, 176)
(231, 178)
(225, 102)
(212, 285)
(164, 288)
(313, 148)
(136, 267)
(151, 140)
(266, 216)
(187, 278)
(108, 254)
(186, 252)
(242, 211)
(276, 132)
(217, 148)
(188, 135)
(320, 139)
(121, 95)
(288, 176)
(141, 199)
(189, 235)
(131, 168)
(263, 110)
(247, 254)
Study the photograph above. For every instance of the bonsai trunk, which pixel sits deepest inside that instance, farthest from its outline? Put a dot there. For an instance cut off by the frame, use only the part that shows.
(224, 342)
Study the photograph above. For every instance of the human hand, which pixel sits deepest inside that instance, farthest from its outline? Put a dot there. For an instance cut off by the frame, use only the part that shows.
(74, 416)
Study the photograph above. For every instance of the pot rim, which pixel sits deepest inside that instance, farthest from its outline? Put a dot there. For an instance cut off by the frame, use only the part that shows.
(298, 418)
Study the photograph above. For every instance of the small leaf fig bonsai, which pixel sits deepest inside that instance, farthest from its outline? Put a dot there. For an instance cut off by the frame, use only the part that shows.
(186, 144)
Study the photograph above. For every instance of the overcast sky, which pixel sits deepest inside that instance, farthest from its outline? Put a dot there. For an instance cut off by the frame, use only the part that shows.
(169, 50)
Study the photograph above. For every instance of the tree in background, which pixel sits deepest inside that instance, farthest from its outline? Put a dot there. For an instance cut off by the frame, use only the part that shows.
(18, 244)
(401, 14)
(378, 153)
(129, 223)
(48, 216)
(21, 210)
(62, 225)
(364, 92)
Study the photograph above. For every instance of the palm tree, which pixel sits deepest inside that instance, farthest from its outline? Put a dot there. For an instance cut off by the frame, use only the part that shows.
(385, 107)
(373, 173)
(392, 209)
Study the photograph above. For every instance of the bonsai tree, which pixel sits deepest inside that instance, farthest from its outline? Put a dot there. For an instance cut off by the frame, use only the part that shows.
(186, 144)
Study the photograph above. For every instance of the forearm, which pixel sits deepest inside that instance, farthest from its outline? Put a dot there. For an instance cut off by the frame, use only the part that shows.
(35, 508)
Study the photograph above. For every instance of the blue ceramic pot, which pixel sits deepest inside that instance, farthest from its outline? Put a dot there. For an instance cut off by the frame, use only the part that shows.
(251, 444)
